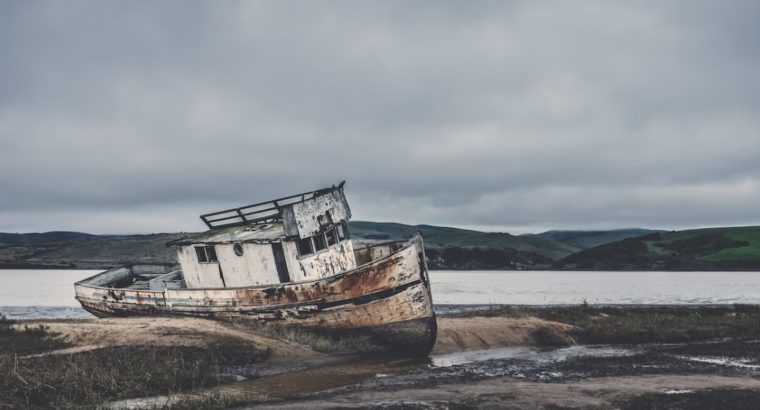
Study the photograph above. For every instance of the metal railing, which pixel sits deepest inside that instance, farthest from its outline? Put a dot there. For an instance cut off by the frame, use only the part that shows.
(260, 212)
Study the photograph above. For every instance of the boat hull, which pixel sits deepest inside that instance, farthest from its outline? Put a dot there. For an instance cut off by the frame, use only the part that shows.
(389, 297)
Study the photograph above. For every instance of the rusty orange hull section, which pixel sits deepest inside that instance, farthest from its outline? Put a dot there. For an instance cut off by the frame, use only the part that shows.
(389, 296)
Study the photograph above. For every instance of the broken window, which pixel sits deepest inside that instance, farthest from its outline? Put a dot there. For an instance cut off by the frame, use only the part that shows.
(200, 252)
(332, 238)
(319, 242)
(342, 232)
(206, 254)
(304, 247)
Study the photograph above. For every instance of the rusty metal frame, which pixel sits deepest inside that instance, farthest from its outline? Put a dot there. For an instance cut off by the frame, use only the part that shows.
(270, 210)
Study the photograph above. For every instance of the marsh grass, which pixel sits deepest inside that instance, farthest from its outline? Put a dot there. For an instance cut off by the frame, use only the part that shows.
(639, 324)
(88, 379)
(28, 339)
(659, 324)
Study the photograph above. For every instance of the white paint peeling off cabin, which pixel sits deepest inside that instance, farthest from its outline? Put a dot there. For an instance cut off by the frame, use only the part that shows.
(289, 261)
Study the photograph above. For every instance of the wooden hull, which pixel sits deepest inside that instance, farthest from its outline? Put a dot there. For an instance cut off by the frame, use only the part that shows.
(389, 297)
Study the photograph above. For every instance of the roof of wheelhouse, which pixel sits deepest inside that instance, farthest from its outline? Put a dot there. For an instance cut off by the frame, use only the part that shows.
(256, 233)
(263, 211)
(296, 216)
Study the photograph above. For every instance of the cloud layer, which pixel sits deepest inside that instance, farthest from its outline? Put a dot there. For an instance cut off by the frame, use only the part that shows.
(519, 116)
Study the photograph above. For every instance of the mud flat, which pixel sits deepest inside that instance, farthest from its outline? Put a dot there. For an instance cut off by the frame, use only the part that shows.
(507, 357)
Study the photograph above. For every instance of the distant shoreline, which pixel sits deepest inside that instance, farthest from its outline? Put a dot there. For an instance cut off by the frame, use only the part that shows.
(728, 249)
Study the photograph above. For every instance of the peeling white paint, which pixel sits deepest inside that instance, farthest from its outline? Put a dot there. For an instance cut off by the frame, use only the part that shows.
(312, 216)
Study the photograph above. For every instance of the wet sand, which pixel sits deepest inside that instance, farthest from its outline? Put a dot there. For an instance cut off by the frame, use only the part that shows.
(489, 361)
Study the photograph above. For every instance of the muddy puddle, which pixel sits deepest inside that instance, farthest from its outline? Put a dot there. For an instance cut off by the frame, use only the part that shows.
(473, 357)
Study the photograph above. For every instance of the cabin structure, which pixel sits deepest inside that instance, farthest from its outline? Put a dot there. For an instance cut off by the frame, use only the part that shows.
(292, 239)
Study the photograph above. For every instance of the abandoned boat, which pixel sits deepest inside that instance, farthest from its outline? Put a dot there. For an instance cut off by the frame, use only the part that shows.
(289, 261)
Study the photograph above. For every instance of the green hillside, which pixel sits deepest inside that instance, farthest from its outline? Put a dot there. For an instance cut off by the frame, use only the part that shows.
(709, 249)
(447, 248)
(442, 237)
(590, 239)
(82, 251)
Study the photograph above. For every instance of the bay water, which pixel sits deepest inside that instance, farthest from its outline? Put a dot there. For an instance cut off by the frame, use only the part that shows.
(49, 294)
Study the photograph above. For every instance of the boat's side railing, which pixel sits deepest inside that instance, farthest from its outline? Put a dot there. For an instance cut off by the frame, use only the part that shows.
(117, 277)
(260, 212)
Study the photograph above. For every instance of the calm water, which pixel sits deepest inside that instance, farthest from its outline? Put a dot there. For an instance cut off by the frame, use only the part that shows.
(50, 293)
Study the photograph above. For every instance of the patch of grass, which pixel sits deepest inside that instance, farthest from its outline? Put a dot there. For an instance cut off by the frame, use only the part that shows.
(657, 324)
(28, 339)
(732, 248)
(93, 377)
(749, 235)
(744, 253)
(634, 324)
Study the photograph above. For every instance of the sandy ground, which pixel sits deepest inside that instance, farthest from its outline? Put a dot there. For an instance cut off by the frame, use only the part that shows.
(164, 331)
(455, 334)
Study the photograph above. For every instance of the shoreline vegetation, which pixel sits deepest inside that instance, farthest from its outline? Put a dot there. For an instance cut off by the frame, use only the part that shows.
(711, 249)
(556, 357)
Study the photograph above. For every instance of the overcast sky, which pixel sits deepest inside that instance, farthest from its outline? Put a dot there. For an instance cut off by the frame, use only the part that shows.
(136, 117)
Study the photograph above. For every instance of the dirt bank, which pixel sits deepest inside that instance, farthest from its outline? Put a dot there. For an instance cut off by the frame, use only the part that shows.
(478, 332)
(165, 331)
(454, 334)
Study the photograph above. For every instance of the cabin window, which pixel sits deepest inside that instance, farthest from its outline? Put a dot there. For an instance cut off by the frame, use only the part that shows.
(206, 254)
(304, 247)
(211, 253)
(200, 252)
(342, 232)
(332, 239)
(319, 242)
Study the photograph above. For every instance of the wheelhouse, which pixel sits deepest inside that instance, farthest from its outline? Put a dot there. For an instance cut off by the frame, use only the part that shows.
(297, 238)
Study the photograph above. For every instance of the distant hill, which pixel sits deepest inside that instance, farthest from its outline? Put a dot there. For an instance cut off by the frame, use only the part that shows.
(442, 237)
(590, 239)
(82, 251)
(732, 248)
(446, 248)
(21, 239)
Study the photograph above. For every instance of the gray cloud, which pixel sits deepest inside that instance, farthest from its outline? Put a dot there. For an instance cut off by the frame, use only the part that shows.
(138, 116)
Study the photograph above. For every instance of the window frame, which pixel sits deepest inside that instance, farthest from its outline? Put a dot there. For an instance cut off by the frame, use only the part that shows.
(323, 239)
(330, 233)
(323, 236)
(343, 230)
(305, 241)
(208, 252)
